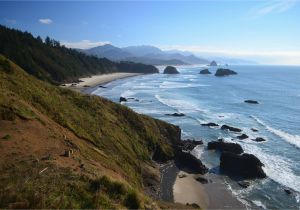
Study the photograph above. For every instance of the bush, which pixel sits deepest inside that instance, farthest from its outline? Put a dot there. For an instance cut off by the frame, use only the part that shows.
(113, 189)
(132, 201)
(5, 66)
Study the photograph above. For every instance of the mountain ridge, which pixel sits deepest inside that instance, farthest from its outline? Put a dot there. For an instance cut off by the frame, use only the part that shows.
(146, 54)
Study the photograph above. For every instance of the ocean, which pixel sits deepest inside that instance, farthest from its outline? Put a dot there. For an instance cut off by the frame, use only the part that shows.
(206, 98)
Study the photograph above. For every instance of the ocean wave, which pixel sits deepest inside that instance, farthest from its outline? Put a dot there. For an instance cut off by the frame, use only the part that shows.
(277, 168)
(171, 85)
(291, 139)
(259, 204)
(128, 93)
(180, 104)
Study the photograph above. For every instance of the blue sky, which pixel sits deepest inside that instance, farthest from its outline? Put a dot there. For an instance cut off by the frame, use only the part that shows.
(267, 31)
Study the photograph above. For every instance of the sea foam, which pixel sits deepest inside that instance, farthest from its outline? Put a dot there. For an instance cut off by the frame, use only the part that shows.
(291, 139)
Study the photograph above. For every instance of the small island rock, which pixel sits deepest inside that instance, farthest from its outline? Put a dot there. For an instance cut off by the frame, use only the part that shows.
(224, 72)
(245, 165)
(225, 146)
(242, 137)
(259, 139)
(213, 63)
(205, 71)
(122, 99)
(176, 114)
(251, 101)
(210, 124)
(227, 127)
(170, 70)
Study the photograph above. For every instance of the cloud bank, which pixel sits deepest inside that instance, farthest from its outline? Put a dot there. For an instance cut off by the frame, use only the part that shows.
(261, 56)
(84, 44)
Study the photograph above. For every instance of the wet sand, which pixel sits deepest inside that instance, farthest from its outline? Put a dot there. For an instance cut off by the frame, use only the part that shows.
(213, 195)
(97, 80)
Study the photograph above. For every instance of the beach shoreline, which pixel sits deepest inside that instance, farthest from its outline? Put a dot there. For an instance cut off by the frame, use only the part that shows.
(87, 84)
(187, 190)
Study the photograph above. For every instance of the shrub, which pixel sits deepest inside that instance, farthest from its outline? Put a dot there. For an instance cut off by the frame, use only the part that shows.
(132, 201)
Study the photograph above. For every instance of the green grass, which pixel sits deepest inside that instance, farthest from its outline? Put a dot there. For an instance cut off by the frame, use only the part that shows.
(123, 140)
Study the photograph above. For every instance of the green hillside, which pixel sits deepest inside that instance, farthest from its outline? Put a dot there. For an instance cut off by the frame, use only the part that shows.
(39, 122)
(49, 61)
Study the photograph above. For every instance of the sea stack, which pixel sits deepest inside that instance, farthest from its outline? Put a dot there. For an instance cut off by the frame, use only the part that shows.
(224, 72)
(170, 70)
(205, 71)
(213, 63)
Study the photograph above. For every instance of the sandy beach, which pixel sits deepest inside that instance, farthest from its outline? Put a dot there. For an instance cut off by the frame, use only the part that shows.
(186, 189)
(101, 79)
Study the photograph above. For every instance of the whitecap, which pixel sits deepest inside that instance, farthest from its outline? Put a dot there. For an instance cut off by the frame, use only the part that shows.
(259, 204)
(277, 168)
(171, 85)
(128, 93)
(291, 139)
(180, 104)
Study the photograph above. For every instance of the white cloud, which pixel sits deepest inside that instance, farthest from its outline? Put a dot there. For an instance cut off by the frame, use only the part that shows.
(46, 21)
(262, 56)
(84, 44)
(272, 6)
(11, 21)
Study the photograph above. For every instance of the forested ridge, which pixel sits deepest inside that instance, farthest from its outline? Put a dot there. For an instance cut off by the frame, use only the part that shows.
(50, 61)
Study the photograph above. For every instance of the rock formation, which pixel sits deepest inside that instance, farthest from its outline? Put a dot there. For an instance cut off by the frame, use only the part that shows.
(170, 70)
(224, 72)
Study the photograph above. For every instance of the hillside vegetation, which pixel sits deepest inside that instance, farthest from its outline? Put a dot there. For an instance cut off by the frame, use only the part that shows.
(63, 149)
(49, 61)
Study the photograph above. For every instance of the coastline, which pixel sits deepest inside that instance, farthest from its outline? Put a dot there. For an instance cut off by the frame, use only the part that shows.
(87, 84)
(187, 190)
(182, 191)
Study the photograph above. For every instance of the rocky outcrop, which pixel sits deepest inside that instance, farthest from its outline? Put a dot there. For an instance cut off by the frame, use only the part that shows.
(213, 63)
(224, 72)
(176, 114)
(187, 162)
(171, 70)
(242, 137)
(201, 179)
(254, 129)
(205, 71)
(251, 102)
(189, 144)
(227, 127)
(210, 124)
(122, 99)
(245, 165)
(244, 184)
(225, 146)
(259, 139)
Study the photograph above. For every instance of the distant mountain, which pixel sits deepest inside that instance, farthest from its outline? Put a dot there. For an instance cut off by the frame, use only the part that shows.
(143, 50)
(109, 51)
(156, 61)
(145, 54)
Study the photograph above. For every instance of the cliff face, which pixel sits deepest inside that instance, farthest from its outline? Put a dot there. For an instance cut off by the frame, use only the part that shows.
(58, 147)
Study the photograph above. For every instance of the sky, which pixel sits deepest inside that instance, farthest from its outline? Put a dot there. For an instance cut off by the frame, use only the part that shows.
(267, 31)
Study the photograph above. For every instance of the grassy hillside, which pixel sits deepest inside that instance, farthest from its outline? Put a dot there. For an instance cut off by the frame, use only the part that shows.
(49, 61)
(40, 122)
